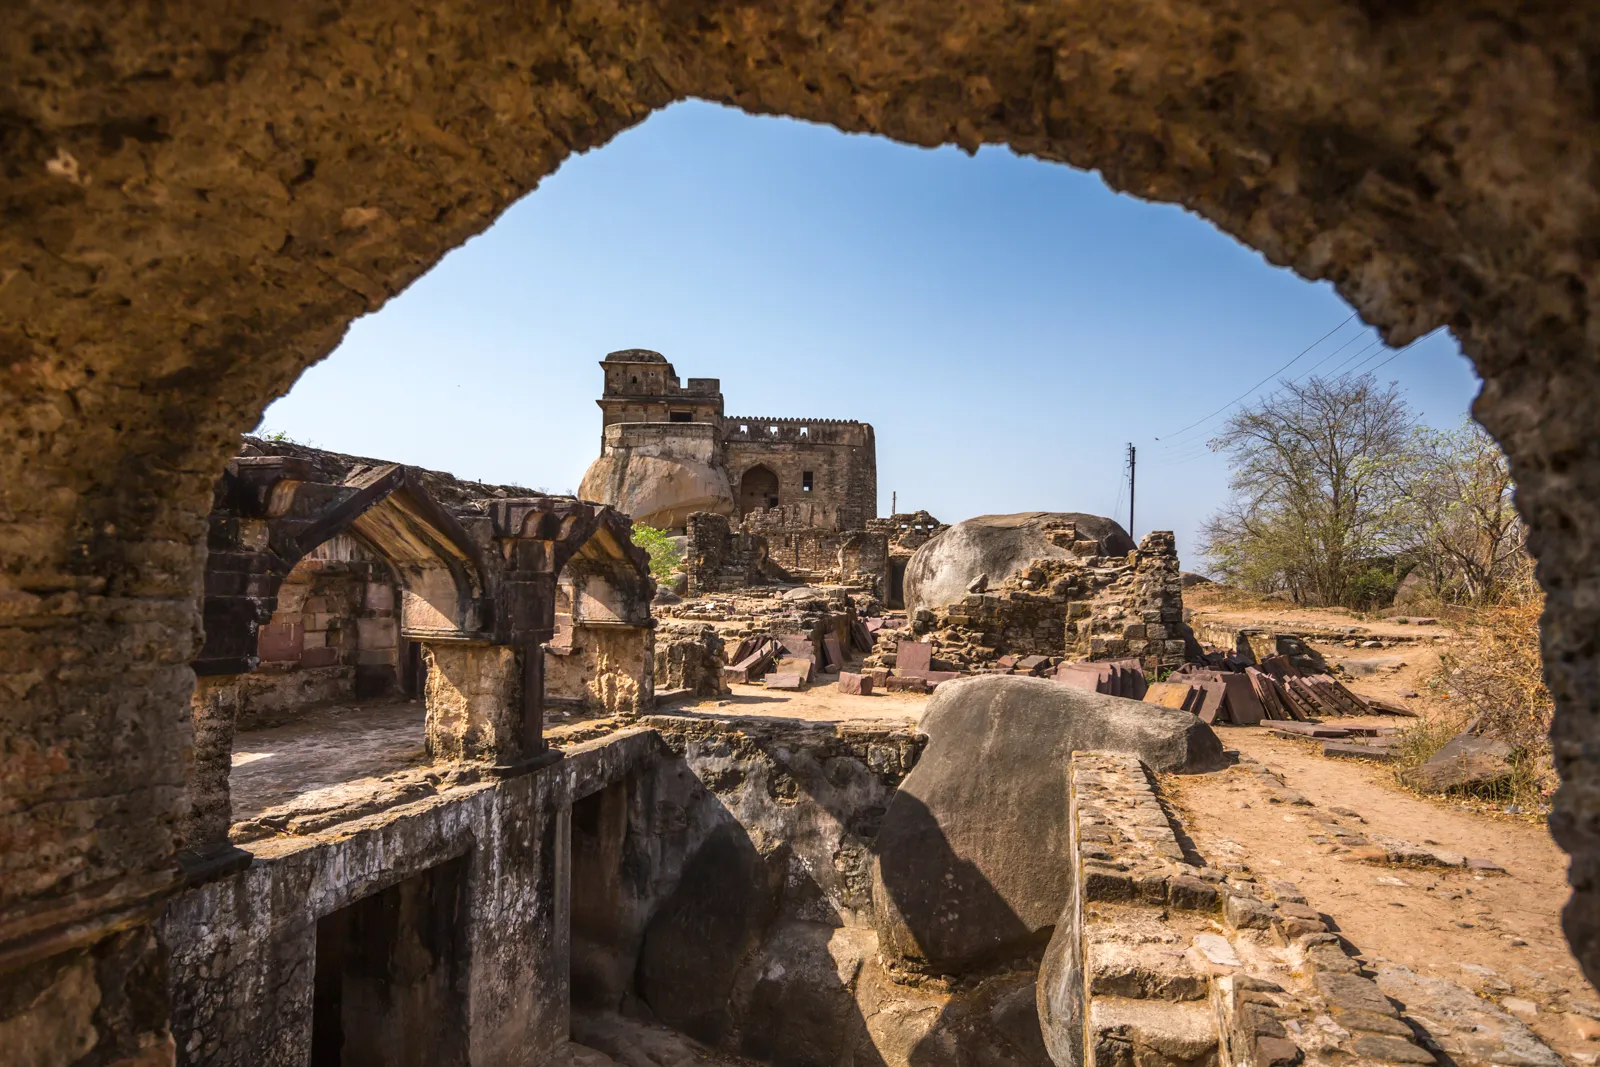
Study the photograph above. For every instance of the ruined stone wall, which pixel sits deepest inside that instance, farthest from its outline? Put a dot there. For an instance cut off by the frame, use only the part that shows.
(1087, 607)
(244, 967)
(608, 670)
(841, 458)
(334, 637)
(719, 557)
(811, 554)
(1139, 612)
(289, 189)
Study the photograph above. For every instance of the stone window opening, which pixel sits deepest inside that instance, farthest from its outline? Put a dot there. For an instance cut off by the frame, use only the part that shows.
(805, 479)
(773, 430)
(805, 431)
(680, 416)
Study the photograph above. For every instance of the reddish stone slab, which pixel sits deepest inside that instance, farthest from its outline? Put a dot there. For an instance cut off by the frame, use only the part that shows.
(855, 684)
(908, 683)
(830, 645)
(1032, 664)
(914, 656)
(781, 680)
(280, 642)
(803, 667)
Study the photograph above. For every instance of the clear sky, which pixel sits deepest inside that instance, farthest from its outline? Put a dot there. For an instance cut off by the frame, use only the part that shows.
(1006, 325)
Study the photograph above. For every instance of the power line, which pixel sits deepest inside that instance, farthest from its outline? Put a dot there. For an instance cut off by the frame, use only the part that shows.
(1262, 382)
(1360, 356)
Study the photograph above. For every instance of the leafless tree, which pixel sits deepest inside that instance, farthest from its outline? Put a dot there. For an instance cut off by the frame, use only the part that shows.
(1316, 492)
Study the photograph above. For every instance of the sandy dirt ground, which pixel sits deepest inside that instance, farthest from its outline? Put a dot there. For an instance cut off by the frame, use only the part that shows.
(1497, 934)
(820, 702)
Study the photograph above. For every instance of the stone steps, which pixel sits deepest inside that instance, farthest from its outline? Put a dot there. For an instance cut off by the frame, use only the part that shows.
(1184, 965)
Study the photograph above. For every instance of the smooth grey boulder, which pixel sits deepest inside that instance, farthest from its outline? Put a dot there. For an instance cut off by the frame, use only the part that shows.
(971, 863)
(996, 546)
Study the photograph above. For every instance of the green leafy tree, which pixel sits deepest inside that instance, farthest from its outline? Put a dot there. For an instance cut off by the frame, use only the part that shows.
(665, 556)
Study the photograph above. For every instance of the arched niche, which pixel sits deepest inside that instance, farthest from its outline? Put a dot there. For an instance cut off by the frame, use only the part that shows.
(758, 488)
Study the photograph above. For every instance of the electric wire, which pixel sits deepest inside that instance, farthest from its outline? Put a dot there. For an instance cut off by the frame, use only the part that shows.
(1259, 384)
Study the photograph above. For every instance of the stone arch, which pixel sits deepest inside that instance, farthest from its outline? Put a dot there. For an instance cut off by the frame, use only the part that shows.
(194, 216)
(758, 488)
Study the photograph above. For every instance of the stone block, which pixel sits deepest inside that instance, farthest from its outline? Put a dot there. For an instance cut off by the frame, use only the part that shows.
(280, 642)
(1192, 894)
(914, 656)
(379, 596)
(1351, 992)
(855, 684)
(376, 633)
(779, 679)
(321, 656)
(908, 683)
(1389, 1049)
(1243, 912)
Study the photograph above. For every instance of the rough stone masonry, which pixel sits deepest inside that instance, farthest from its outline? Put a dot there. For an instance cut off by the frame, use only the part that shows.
(198, 201)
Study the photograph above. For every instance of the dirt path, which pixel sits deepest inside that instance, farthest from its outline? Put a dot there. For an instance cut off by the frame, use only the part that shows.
(819, 702)
(1497, 934)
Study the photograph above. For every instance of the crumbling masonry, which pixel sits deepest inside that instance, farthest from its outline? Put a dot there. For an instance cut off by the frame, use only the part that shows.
(198, 201)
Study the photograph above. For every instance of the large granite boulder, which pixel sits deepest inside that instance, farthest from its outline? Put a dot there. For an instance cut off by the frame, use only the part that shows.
(972, 862)
(995, 547)
(659, 475)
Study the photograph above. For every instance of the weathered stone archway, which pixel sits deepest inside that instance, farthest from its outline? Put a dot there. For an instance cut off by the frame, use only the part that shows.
(197, 202)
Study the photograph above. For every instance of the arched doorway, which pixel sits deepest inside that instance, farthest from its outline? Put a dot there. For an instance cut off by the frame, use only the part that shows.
(757, 489)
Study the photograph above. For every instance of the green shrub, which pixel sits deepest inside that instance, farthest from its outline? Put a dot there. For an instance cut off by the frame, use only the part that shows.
(663, 550)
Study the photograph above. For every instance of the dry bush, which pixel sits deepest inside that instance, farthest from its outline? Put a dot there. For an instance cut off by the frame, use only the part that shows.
(1493, 680)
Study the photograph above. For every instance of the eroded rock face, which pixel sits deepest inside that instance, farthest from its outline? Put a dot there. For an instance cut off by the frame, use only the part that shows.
(657, 479)
(972, 861)
(991, 548)
(197, 202)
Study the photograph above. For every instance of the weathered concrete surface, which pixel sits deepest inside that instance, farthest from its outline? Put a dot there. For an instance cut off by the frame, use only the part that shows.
(972, 861)
(197, 203)
(995, 547)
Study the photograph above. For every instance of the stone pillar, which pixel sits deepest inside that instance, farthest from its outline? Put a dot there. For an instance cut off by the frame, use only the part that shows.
(474, 701)
(213, 708)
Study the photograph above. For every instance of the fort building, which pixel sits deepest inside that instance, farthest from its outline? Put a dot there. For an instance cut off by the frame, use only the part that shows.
(667, 450)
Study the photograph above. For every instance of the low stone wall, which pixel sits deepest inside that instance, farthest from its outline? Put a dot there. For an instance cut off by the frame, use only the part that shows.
(481, 871)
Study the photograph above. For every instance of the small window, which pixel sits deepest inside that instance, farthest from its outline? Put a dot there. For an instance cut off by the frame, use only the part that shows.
(635, 379)
(744, 428)
(805, 431)
(805, 480)
(773, 430)
(681, 416)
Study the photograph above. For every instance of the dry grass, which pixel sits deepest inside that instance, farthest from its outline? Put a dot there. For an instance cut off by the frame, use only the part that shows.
(1492, 679)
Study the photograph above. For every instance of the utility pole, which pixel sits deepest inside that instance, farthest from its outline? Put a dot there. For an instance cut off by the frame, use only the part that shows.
(1132, 460)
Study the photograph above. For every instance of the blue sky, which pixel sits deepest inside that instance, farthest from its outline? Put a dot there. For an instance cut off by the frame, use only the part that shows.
(1008, 326)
